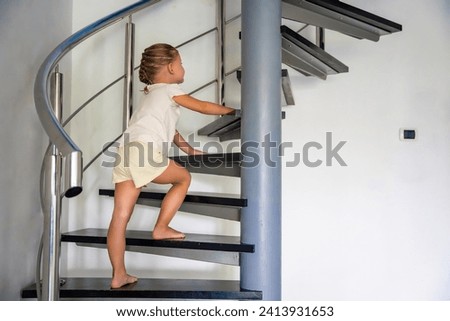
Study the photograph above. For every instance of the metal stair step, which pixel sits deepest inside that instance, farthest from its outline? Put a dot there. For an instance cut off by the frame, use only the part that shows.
(91, 288)
(340, 17)
(144, 239)
(226, 127)
(228, 164)
(203, 198)
(307, 58)
(223, 206)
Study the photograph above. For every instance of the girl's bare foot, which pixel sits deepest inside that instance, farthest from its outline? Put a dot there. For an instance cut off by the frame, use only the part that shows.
(118, 282)
(162, 233)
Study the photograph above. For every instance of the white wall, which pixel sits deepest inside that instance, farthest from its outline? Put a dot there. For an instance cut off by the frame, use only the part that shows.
(378, 228)
(28, 31)
(373, 230)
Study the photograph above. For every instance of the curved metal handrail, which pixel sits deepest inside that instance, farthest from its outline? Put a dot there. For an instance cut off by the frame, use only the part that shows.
(58, 136)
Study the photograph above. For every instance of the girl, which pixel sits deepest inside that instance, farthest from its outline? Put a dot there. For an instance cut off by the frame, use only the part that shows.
(151, 128)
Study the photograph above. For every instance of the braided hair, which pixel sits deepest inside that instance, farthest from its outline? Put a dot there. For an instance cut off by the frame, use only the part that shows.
(153, 58)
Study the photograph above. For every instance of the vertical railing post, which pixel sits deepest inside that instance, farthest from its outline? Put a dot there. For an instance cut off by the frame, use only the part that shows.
(129, 71)
(261, 136)
(51, 203)
(220, 52)
(320, 37)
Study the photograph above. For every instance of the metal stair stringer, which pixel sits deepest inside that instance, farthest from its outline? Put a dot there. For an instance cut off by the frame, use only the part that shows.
(339, 16)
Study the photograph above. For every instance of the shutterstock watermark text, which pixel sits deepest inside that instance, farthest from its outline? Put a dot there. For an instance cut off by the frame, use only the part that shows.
(267, 152)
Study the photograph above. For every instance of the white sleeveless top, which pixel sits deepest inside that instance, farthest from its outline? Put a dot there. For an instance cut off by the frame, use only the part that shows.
(155, 119)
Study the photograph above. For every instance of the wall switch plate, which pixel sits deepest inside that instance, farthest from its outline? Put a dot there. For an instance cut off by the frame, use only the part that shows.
(408, 134)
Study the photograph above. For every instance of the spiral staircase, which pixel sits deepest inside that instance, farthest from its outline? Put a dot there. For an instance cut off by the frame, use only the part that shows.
(61, 174)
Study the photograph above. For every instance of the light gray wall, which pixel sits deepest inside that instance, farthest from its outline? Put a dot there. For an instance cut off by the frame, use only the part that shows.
(29, 29)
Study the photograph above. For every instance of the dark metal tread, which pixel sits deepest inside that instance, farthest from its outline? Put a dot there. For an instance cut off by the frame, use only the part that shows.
(214, 159)
(227, 164)
(201, 198)
(338, 16)
(222, 125)
(226, 127)
(144, 238)
(90, 288)
(309, 52)
(358, 14)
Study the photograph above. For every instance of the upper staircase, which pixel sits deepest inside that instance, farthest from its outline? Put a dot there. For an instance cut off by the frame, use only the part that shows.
(298, 53)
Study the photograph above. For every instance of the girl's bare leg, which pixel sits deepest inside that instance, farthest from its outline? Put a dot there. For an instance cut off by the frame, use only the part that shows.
(180, 179)
(125, 197)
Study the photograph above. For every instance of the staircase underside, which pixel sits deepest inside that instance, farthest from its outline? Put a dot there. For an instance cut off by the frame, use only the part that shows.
(186, 289)
(306, 57)
(340, 17)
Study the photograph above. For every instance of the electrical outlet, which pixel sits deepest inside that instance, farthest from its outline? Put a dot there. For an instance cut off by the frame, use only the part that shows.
(408, 134)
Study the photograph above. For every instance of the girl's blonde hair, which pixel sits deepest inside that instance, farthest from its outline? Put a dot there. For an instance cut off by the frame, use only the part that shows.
(153, 59)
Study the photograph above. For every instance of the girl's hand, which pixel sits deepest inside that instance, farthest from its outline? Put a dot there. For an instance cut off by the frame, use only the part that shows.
(204, 107)
(197, 152)
(182, 144)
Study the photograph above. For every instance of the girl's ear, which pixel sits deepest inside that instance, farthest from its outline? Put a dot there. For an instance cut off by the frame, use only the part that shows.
(170, 68)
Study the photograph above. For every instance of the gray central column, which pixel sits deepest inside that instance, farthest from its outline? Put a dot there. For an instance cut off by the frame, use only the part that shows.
(261, 137)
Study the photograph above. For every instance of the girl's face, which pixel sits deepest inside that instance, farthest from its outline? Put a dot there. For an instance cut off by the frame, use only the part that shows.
(177, 70)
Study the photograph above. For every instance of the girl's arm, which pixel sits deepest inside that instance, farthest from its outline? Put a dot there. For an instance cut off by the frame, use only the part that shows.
(182, 144)
(204, 107)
